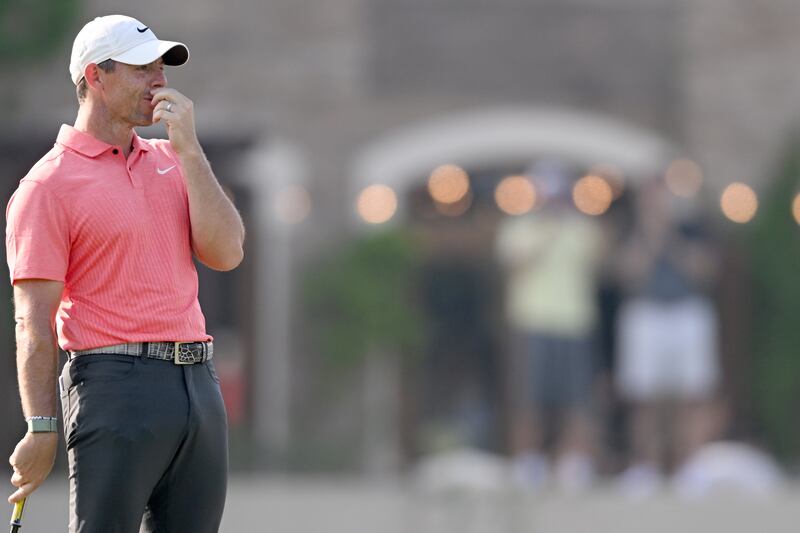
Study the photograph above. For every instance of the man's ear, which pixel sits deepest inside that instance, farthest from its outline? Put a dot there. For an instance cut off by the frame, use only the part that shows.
(92, 75)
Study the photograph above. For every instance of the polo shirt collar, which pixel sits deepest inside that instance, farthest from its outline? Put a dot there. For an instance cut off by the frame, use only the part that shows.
(89, 146)
(137, 144)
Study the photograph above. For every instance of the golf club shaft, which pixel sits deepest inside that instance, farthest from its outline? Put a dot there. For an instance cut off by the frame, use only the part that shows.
(16, 516)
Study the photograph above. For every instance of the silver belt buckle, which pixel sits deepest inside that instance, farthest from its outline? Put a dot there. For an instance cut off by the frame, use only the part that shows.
(177, 355)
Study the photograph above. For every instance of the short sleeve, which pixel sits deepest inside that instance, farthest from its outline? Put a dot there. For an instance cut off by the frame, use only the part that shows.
(37, 234)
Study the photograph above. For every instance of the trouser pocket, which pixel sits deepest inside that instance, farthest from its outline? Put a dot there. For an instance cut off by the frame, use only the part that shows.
(65, 383)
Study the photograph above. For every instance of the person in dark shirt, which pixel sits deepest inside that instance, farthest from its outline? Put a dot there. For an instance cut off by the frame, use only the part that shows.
(667, 334)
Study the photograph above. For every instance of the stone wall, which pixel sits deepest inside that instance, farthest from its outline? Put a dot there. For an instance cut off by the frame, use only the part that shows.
(741, 85)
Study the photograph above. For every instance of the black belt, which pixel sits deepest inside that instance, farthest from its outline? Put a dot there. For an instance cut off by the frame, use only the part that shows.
(181, 353)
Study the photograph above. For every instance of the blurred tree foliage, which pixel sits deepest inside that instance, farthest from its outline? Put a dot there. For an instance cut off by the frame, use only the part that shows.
(774, 246)
(30, 29)
(363, 299)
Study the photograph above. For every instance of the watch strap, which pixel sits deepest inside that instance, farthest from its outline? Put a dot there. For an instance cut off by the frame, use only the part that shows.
(42, 424)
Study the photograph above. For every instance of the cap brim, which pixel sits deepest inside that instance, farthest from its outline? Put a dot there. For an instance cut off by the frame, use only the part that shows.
(174, 54)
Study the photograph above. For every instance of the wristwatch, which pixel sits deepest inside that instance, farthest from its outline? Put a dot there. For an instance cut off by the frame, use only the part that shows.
(42, 424)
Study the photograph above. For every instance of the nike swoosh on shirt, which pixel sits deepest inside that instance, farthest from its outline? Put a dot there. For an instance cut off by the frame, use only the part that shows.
(165, 170)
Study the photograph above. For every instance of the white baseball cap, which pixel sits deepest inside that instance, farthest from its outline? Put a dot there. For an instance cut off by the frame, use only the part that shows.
(122, 39)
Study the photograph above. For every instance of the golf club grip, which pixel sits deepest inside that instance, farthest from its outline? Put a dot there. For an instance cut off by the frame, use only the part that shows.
(16, 516)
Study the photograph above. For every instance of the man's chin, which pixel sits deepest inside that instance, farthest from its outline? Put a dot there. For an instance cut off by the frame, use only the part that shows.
(144, 121)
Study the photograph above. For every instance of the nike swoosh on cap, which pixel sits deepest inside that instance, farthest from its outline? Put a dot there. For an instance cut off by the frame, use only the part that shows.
(142, 30)
(165, 170)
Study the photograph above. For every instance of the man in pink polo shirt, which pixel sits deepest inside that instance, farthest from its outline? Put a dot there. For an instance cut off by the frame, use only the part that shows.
(100, 239)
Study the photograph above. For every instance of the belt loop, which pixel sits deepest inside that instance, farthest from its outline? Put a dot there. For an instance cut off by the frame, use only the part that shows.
(145, 351)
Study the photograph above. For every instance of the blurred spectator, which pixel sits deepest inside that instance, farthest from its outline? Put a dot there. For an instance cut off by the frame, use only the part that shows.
(551, 256)
(667, 327)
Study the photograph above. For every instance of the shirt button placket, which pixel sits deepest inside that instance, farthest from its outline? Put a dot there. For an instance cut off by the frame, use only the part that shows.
(132, 160)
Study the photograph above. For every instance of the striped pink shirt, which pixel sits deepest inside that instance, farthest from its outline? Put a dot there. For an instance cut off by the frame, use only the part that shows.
(117, 233)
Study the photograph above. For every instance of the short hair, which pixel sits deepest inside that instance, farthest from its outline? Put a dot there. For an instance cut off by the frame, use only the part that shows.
(106, 66)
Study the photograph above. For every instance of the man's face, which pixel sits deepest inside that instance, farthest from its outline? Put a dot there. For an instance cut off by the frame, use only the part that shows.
(127, 91)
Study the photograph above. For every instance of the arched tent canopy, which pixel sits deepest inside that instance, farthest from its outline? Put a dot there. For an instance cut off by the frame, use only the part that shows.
(503, 137)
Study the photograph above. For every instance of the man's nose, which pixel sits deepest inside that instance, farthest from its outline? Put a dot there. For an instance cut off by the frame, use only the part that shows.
(159, 81)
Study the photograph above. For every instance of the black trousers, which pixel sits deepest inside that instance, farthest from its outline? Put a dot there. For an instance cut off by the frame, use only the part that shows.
(147, 445)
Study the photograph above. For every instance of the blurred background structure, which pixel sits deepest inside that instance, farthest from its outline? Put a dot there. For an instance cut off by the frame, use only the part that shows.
(375, 149)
